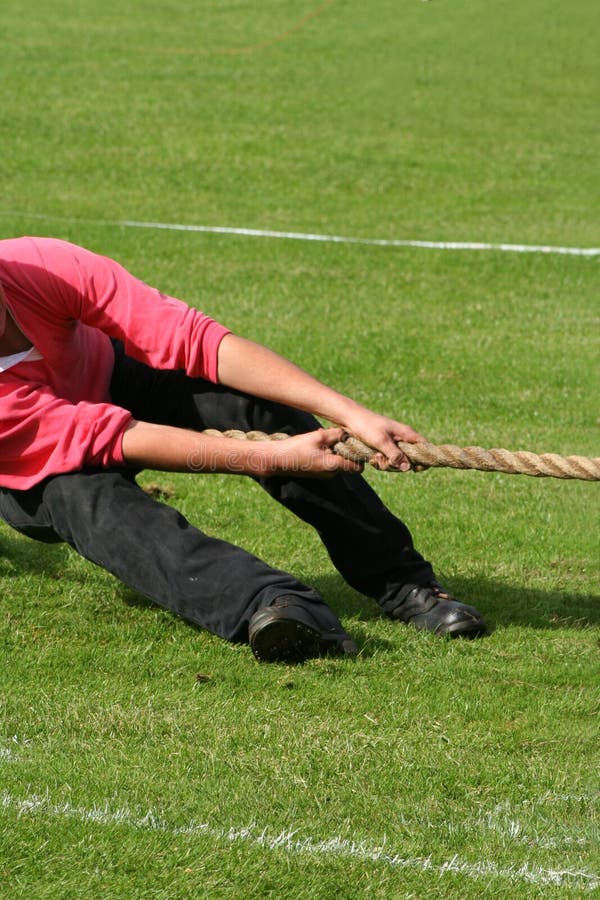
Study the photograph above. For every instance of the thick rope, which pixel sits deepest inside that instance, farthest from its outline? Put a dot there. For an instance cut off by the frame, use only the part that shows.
(425, 455)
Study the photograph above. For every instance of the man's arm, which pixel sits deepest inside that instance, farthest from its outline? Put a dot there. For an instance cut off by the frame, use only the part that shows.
(256, 370)
(167, 448)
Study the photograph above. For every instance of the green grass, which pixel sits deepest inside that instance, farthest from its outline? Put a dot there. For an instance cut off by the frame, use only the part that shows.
(122, 772)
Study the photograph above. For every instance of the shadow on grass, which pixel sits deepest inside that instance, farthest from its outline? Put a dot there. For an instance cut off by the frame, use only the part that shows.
(19, 555)
(367, 644)
(501, 603)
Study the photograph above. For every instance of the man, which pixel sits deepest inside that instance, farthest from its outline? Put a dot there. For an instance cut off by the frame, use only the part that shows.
(102, 375)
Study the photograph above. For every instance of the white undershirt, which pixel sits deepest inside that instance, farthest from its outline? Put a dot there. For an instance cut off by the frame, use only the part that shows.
(7, 362)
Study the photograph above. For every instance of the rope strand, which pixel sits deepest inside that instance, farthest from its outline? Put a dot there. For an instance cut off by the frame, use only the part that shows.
(425, 455)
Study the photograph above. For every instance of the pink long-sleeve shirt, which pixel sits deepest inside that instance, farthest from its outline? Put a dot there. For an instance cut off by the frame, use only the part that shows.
(56, 413)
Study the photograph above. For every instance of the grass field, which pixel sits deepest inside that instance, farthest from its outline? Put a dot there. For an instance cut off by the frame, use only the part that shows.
(140, 757)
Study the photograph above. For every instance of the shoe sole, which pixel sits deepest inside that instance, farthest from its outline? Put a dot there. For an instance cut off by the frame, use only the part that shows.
(285, 640)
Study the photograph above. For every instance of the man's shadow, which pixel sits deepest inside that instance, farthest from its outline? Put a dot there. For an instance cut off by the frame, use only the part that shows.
(501, 603)
(19, 555)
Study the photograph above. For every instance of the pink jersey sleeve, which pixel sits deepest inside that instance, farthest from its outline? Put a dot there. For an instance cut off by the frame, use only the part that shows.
(155, 328)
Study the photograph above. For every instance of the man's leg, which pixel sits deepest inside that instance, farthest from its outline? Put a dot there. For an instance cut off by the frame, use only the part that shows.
(370, 547)
(152, 548)
(367, 544)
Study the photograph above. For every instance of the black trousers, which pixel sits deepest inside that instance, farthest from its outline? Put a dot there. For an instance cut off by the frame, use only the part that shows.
(152, 548)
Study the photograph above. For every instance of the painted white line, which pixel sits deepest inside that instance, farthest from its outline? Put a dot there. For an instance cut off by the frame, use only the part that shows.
(501, 820)
(321, 238)
(372, 242)
(291, 843)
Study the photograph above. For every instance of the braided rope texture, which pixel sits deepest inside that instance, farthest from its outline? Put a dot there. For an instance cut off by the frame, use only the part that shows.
(425, 456)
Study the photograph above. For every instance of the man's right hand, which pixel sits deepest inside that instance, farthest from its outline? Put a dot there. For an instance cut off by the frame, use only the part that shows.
(166, 448)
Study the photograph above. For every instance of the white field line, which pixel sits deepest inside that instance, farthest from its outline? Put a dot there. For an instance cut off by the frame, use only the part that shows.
(321, 238)
(501, 821)
(289, 842)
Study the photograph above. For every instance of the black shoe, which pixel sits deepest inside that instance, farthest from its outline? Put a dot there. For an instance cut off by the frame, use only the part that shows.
(292, 631)
(431, 608)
